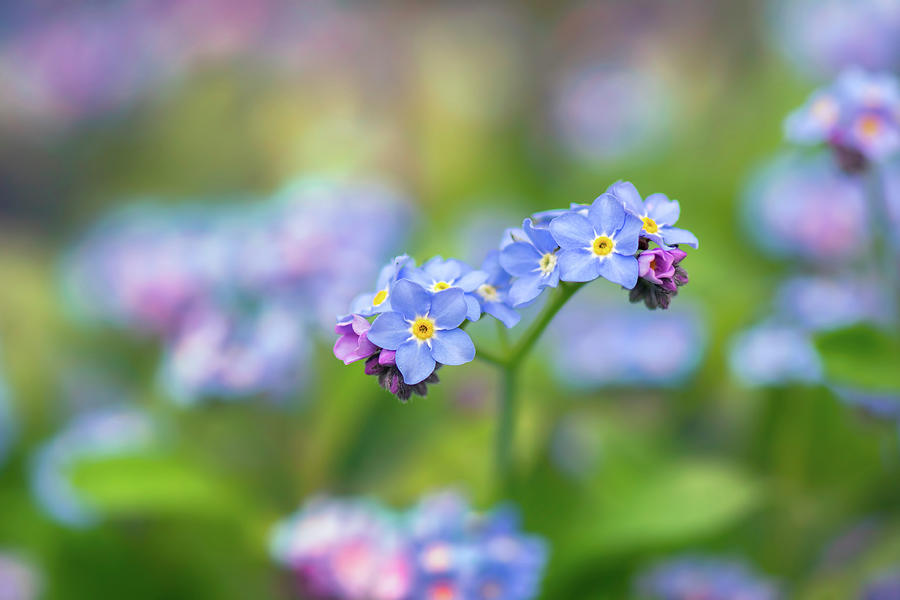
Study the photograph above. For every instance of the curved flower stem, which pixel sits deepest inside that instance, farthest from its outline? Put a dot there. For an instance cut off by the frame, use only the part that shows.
(509, 368)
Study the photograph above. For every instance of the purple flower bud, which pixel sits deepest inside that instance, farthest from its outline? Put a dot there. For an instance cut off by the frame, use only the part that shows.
(354, 344)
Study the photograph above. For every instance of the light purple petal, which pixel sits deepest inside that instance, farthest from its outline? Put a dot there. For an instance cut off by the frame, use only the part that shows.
(627, 237)
(578, 265)
(503, 313)
(620, 269)
(470, 281)
(414, 361)
(525, 289)
(540, 237)
(520, 259)
(606, 214)
(389, 330)
(673, 235)
(441, 270)
(662, 210)
(571, 230)
(452, 347)
(627, 194)
(448, 308)
(410, 299)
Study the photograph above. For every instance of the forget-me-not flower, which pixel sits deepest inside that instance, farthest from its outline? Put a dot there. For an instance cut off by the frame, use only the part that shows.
(533, 261)
(423, 328)
(379, 301)
(493, 294)
(601, 244)
(657, 213)
(438, 275)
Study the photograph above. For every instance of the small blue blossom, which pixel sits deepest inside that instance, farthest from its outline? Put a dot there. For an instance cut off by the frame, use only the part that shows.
(691, 577)
(657, 213)
(535, 263)
(438, 275)
(601, 244)
(379, 301)
(493, 294)
(775, 354)
(423, 328)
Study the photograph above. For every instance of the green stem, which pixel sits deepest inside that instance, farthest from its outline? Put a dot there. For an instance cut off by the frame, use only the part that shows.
(510, 370)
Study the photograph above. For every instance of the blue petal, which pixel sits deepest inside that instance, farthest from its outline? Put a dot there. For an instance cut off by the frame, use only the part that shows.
(470, 281)
(448, 308)
(620, 269)
(453, 347)
(414, 361)
(473, 307)
(578, 265)
(389, 330)
(503, 313)
(627, 194)
(363, 305)
(441, 270)
(627, 237)
(526, 289)
(606, 214)
(520, 259)
(540, 237)
(673, 235)
(410, 299)
(418, 276)
(571, 230)
(662, 210)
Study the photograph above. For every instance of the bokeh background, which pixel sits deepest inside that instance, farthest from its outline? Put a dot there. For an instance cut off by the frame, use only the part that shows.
(191, 190)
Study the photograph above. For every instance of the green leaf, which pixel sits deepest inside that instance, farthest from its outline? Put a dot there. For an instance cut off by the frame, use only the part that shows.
(861, 357)
(150, 484)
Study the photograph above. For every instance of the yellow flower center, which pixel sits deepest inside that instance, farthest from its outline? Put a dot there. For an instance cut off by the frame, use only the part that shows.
(379, 298)
(650, 225)
(422, 328)
(602, 245)
(548, 263)
(488, 292)
(440, 286)
(869, 126)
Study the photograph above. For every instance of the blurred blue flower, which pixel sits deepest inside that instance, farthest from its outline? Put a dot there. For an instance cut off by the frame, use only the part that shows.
(859, 113)
(818, 303)
(438, 275)
(804, 207)
(423, 328)
(601, 244)
(534, 263)
(357, 550)
(19, 579)
(494, 293)
(876, 405)
(603, 111)
(709, 578)
(657, 213)
(222, 353)
(821, 38)
(773, 354)
(679, 341)
(885, 587)
(104, 432)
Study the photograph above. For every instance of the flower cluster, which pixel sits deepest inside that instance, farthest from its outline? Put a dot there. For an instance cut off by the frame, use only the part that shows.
(223, 289)
(858, 116)
(692, 577)
(440, 549)
(412, 323)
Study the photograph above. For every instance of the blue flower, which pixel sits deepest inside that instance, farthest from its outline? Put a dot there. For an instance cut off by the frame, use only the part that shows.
(682, 578)
(438, 275)
(657, 213)
(534, 262)
(601, 244)
(423, 328)
(493, 294)
(379, 301)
